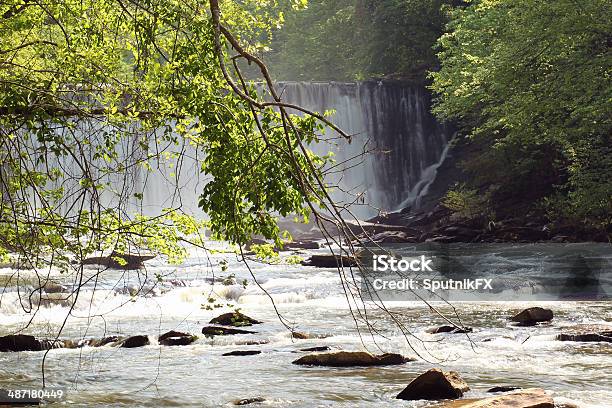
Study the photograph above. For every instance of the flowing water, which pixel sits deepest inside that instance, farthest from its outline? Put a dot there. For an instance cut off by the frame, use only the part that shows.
(198, 375)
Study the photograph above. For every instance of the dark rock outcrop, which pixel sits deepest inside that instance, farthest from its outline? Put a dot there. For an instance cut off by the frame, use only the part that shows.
(134, 341)
(532, 316)
(19, 342)
(223, 331)
(235, 319)
(287, 246)
(242, 353)
(527, 398)
(247, 401)
(449, 329)
(435, 384)
(587, 333)
(330, 261)
(174, 338)
(351, 359)
(100, 342)
(131, 261)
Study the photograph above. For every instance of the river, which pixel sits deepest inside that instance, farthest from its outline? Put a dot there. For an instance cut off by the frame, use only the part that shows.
(496, 353)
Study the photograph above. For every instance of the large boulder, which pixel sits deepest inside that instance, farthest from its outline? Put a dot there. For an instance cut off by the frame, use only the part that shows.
(19, 342)
(532, 316)
(527, 398)
(174, 338)
(134, 341)
(435, 384)
(351, 359)
(449, 329)
(223, 331)
(330, 261)
(235, 319)
(117, 260)
(587, 333)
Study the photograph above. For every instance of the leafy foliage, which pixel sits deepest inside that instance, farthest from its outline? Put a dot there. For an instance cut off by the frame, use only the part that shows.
(531, 81)
(95, 93)
(357, 39)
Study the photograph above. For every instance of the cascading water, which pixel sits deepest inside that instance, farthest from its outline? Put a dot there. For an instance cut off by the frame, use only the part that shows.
(396, 147)
(392, 121)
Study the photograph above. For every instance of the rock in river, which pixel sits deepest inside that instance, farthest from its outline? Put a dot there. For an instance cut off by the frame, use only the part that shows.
(527, 398)
(449, 329)
(589, 333)
(19, 342)
(134, 341)
(532, 316)
(435, 384)
(247, 401)
(174, 338)
(235, 319)
(223, 331)
(330, 261)
(242, 353)
(351, 359)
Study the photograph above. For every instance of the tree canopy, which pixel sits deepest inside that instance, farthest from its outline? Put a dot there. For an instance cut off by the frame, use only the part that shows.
(81, 80)
(530, 81)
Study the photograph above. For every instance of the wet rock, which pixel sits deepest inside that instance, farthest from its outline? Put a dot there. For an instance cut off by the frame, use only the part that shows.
(135, 341)
(503, 388)
(100, 342)
(174, 338)
(351, 359)
(527, 398)
(247, 401)
(19, 342)
(131, 261)
(532, 316)
(52, 287)
(316, 349)
(392, 237)
(242, 353)
(287, 246)
(449, 329)
(587, 333)
(223, 331)
(435, 384)
(306, 336)
(330, 261)
(235, 319)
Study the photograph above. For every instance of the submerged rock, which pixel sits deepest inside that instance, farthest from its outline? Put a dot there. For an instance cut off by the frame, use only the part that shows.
(242, 353)
(174, 338)
(532, 316)
(330, 261)
(351, 359)
(587, 333)
(235, 319)
(100, 342)
(247, 401)
(318, 348)
(527, 398)
(130, 261)
(134, 341)
(223, 331)
(435, 384)
(449, 329)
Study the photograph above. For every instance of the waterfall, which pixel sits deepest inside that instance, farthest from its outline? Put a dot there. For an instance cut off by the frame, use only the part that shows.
(389, 120)
(393, 122)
